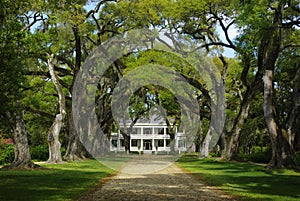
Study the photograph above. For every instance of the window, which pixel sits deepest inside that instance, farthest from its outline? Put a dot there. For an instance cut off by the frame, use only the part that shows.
(147, 130)
(122, 143)
(114, 143)
(168, 143)
(136, 130)
(160, 143)
(181, 143)
(134, 143)
(159, 131)
(133, 131)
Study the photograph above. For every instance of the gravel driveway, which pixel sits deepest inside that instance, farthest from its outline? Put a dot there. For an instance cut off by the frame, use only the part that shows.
(147, 178)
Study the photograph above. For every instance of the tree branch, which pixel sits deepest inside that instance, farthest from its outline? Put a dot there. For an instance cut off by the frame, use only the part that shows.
(35, 19)
(289, 46)
(98, 6)
(39, 73)
(39, 112)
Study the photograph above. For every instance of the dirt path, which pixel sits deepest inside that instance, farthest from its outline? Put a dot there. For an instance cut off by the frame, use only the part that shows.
(138, 182)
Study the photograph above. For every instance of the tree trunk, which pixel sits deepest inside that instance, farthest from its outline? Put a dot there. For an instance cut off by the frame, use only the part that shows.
(217, 99)
(282, 154)
(215, 129)
(293, 123)
(21, 148)
(171, 132)
(200, 137)
(53, 134)
(243, 115)
(204, 148)
(226, 145)
(75, 150)
(53, 140)
(231, 138)
(127, 143)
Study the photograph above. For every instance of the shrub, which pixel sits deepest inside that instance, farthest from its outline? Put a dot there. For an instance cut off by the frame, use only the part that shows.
(7, 154)
(243, 157)
(258, 155)
(40, 152)
(134, 152)
(63, 151)
(297, 156)
(215, 154)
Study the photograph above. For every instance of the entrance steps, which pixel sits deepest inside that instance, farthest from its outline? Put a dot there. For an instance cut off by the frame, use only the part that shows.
(147, 151)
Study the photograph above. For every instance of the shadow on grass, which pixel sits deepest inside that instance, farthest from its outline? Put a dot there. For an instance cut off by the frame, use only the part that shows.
(57, 182)
(70, 181)
(253, 182)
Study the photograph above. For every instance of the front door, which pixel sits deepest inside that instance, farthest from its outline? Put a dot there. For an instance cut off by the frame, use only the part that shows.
(147, 145)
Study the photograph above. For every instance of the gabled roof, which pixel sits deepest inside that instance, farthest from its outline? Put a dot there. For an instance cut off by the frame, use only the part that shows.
(156, 117)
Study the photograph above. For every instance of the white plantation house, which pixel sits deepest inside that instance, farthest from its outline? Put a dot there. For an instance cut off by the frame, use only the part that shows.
(149, 135)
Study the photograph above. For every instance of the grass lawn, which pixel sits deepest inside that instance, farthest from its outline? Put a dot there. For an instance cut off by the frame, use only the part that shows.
(247, 181)
(58, 182)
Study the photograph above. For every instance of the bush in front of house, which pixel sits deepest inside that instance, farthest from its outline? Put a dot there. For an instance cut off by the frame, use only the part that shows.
(7, 154)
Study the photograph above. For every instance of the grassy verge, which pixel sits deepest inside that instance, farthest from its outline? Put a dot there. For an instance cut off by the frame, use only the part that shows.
(247, 181)
(58, 182)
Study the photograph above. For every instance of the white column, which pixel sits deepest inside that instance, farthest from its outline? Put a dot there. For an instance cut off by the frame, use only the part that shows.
(118, 141)
(164, 144)
(153, 144)
(142, 145)
(153, 134)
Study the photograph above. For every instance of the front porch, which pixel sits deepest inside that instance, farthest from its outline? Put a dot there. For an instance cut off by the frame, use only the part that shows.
(150, 145)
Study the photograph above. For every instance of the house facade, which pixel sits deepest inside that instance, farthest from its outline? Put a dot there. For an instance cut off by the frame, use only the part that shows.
(150, 136)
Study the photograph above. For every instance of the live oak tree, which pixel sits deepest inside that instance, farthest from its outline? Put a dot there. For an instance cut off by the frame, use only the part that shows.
(53, 133)
(65, 32)
(287, 91)
(247, 85)
(13, 67)
(274, 22)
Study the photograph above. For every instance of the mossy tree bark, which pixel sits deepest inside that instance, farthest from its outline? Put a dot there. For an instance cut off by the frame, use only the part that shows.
(282, 152)
(53, 133)
(22, 157)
